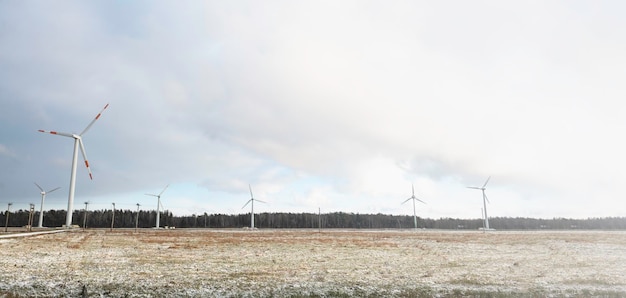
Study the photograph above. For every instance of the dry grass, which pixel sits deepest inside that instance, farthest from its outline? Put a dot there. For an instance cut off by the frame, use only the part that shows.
(307, 263)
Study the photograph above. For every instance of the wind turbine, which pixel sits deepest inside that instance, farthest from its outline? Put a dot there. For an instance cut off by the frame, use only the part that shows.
(158, 215)
(485, 201)
(414, 199)
(43, 197)
(251, 201)
(78, 141)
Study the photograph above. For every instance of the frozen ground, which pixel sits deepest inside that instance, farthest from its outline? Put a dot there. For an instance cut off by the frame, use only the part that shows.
(241, 263)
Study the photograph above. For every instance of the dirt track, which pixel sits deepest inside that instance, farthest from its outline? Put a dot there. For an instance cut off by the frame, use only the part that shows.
(307, 263)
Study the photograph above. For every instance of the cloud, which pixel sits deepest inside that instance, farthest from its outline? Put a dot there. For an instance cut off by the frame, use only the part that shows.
(336, 104)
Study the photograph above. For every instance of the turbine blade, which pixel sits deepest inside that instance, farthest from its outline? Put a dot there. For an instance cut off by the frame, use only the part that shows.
(94, 120)
(251, 196)
(53, 190)
(420, 201)
(65, 134)
(164, 190)
(474, 187)
(82, 150)
(248, 202)
(406, 200)
(486, 182)
(412, 190)
(261, 201)
(149, 194)
(38, 186)
(486, 198)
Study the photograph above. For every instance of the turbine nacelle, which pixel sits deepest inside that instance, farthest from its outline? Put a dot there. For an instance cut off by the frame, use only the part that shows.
(413, 197)
(79, 140)
(159, 195)
(43, 192)
(252, 200)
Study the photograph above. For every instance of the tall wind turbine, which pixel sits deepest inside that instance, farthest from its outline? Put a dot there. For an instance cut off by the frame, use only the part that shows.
(43, 197)
(251, 202)
(414, 199)
(78, 142)
(158, 215)
(485, 201)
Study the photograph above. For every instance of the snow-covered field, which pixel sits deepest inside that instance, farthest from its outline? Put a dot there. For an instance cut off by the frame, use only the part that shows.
(261, 263)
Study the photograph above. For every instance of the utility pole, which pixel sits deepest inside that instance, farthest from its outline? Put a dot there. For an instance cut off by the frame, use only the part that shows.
(85, 216)
(137, 218)
(113, 217)
(31, 215)
(6, 225)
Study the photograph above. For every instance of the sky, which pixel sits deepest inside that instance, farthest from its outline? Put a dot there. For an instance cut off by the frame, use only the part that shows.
(317, 105)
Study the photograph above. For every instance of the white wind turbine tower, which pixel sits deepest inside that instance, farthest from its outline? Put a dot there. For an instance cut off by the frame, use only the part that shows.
(251, 201)
(78, 142)
(485, 201)
(43, 197)
(158, 215)
(414, 199)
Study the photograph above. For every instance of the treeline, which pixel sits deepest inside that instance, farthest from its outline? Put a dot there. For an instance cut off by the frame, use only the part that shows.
(336, 220)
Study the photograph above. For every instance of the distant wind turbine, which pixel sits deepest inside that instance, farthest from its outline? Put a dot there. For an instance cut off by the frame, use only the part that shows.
(414, 199)
(251, 202)
(78, 142)
(485, 201)
(158, 215)
(43, 197)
